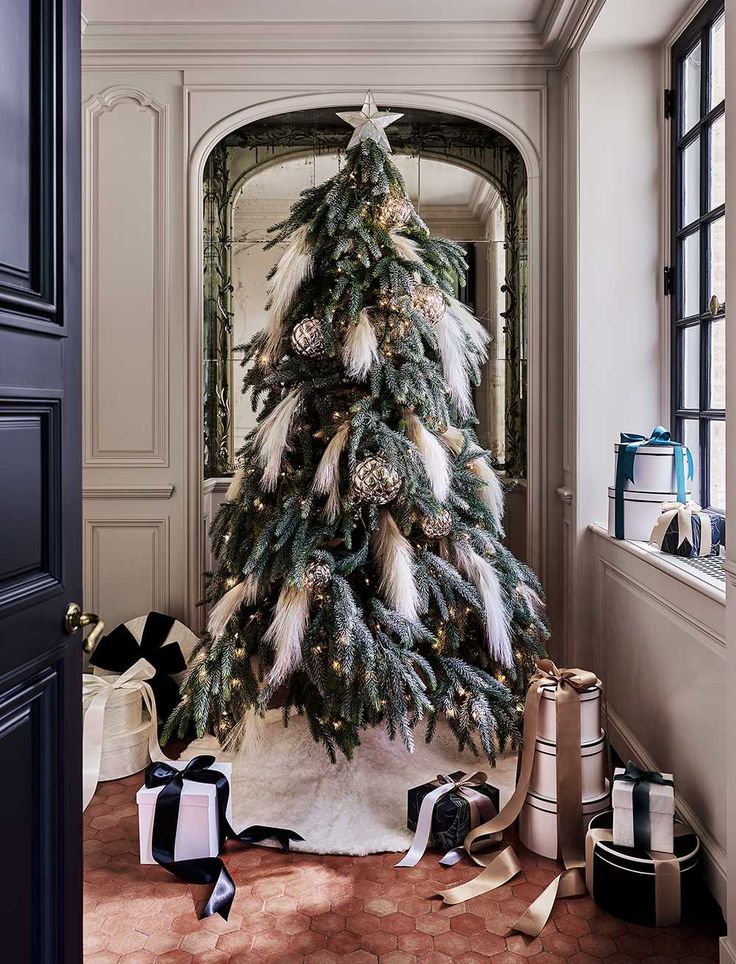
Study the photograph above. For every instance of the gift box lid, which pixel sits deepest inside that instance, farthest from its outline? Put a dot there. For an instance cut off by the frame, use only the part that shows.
(122, 741)
(661, 795)
(642, 495)
(686, 848)
(193, 794)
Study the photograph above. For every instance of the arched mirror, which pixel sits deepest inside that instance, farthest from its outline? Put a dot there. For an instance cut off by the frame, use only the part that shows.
(467, 181)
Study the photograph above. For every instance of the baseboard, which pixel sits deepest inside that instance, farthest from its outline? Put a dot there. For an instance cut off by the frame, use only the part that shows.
(727, 951)
(714, 865)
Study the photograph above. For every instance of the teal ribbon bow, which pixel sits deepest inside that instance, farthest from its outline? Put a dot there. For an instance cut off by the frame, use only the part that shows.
(630, 445)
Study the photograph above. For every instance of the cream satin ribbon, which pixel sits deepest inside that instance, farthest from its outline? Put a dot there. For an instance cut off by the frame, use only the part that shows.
(666, 875)
(480, 807)
(684, 512)
(501, 867)
(100, 688)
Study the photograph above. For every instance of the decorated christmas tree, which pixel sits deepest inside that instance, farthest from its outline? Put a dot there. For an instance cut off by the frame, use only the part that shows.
(361, 571)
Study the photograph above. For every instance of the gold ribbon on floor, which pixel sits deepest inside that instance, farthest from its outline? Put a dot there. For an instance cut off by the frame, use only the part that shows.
(666, 875)
(501, 867)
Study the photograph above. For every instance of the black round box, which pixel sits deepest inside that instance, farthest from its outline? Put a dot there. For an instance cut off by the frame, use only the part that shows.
(623, 878)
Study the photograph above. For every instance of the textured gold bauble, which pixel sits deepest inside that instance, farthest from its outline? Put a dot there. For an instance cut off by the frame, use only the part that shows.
(375, 481)
(307, 338)
(317, 575)
(430, 302)
(395, 212)
(436, 526)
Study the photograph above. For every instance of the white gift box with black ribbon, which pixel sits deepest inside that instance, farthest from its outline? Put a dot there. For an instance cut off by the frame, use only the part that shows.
(643, 809)
(197, 827)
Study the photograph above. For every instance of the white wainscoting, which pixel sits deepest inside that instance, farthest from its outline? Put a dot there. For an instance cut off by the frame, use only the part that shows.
(659, 647)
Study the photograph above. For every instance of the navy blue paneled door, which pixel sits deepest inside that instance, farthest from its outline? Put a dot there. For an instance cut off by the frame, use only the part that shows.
(40, 491)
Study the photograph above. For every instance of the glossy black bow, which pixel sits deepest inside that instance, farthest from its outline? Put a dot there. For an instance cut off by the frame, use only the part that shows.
(118, 651)
(633, 774)
(641, 780)
(201, 870)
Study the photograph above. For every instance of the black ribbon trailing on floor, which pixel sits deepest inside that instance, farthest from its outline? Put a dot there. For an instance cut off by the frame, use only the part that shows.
(642, 779)
(119, 650)
(201, 870)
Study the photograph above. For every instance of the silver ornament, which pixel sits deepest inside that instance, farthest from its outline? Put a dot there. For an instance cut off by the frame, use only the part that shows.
(317, 575)
(375, 481)
(436, 526)
(430, 302)
(395, 212)
(307, 338)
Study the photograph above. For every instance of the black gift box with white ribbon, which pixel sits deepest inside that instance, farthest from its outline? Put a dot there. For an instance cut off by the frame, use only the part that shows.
(452, 819)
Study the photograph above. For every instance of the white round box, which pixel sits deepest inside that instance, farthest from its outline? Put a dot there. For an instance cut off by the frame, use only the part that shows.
(641, 511)
(538, 822)
(125, 753)
(590, 715)
(543, 780)
(654, 467)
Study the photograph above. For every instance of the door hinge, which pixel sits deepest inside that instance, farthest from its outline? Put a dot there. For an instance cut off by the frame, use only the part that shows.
(669, 281)
(669, 102)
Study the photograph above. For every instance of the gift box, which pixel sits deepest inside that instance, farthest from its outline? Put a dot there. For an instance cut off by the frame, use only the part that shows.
(593, 766)
(685, 529)
(638, 886)
(197, 830)
(456, 813)
(639, 514)
(538, 821)
(643, 809)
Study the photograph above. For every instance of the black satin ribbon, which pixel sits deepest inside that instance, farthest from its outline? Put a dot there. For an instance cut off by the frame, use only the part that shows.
(119, 650)
(642, 780)
(201, 870)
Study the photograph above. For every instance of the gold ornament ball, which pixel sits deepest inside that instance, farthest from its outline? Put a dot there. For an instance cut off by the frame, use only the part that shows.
(430, 302)
(307, 338)
(436, 526)
(395, 212)
(317, 575)
(375, 481)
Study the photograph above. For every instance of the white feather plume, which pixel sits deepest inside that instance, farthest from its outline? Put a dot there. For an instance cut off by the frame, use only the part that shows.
(286, 631)
(327, 476)
(271, 437)
(233, 490)
(395, 557)
(247, 734)
(453, 354)
(484, 577)
(433, 452)
(406, 248)
(491, 492)
(360, 350)
(243, 593)
(477, 334)
(294, 267)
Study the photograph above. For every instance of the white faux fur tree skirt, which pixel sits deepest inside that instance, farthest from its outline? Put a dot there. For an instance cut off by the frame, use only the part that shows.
(356, 807)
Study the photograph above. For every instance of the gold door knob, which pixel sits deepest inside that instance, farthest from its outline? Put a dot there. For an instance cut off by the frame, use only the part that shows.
(75, 619)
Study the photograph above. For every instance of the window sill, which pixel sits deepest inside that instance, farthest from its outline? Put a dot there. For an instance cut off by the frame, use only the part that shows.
(678, 569)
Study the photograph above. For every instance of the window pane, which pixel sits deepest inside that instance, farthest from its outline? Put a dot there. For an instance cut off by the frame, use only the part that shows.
(690, 367)
(691, 182)
(691, 89)
(717, 173)
(718, 465)
(690, 435)
(718, 363)
(690, 273)
(717, 62)
(717, 261)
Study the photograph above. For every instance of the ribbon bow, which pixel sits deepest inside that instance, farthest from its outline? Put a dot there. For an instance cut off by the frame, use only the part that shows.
(634, 775)
(99, 689)
(630, 445)
(201, 870)
(480, 806)
(641, 780)
(685, 511)
(118, 651)
(547, 672)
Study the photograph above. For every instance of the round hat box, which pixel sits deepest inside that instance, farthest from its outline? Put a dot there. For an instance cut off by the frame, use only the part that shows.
(623, 878)
(125, 753)
(641, 511)
(590, 715)
(179, 633)
(123, 711)
(592, 766)
(654, 467)
(538, 821)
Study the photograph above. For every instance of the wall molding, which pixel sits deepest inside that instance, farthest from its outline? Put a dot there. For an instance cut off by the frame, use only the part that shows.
(164, 491)
(628, 745)
(95, 454)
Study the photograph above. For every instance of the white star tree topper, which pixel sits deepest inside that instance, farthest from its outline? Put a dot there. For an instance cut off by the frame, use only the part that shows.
(369, 123)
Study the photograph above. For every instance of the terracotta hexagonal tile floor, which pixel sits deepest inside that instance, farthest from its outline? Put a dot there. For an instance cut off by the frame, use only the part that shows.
(317, 910)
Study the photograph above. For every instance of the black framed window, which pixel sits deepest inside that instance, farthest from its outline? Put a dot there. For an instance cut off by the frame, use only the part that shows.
(698, 272)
